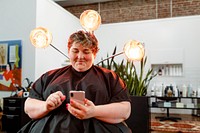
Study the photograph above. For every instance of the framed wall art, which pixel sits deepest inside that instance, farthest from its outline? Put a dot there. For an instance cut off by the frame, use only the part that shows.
(10, 65)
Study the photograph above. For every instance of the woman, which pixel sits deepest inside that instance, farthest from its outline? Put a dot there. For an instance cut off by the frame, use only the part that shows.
(105, 108)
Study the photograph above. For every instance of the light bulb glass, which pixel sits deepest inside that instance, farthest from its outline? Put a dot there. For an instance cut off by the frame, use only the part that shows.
(90, 20)
(40, 37)
(134, 50)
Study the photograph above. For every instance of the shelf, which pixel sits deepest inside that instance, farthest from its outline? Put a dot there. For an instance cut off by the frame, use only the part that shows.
(173, 106)
(168, 70)
(175, 97)
(172, 103)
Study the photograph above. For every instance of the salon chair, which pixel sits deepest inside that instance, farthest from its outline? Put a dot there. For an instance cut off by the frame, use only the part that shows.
(168, 117)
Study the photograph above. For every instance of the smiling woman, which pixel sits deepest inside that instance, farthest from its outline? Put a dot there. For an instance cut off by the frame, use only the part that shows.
(104, 90)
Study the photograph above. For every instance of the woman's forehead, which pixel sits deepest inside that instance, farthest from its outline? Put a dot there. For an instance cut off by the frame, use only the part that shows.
(75, 44)
(79, 45)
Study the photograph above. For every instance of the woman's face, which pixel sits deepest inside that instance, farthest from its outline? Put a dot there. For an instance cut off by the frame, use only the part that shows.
(81, 57)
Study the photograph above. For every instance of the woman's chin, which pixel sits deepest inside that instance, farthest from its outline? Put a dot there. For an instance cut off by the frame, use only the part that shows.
(80, 69)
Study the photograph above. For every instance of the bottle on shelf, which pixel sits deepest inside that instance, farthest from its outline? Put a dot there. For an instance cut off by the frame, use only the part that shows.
(184, 90)
(176, 91)
(159, 91)
(189, 90)
(198, 91)
(160, 72)
(169, 93)
(153, 90)
(194, 93)
(170, 70)
(163, 71)
(163, 89)
(167, 70)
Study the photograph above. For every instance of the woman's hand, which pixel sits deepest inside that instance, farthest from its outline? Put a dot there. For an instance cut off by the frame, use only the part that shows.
(110, 113)
(81, 111)
(37, 109)
(55, 100)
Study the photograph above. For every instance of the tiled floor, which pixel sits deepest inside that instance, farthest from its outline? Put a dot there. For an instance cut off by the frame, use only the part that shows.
(182, 116)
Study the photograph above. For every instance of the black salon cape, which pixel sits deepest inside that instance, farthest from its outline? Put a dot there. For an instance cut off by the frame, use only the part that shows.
(101, 86)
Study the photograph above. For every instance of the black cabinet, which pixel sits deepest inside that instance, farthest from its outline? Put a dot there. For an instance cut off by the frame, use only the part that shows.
(14, 116)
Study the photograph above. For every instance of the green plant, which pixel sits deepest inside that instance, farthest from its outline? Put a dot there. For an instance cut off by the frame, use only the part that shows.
(137, 81)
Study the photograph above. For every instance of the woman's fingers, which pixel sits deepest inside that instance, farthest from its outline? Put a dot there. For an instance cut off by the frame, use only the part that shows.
(79, 110)
(61, 96)
(55, 99)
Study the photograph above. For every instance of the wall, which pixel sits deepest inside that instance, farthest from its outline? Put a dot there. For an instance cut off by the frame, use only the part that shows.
(134, 10)
(164, 34)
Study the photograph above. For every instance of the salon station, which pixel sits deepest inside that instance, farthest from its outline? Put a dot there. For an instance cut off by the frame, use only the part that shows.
(33, 40)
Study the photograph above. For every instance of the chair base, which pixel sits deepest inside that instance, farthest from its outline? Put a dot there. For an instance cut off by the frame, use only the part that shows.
(175, 119)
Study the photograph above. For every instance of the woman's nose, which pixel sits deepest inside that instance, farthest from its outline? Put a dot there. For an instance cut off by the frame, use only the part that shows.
(80, 55)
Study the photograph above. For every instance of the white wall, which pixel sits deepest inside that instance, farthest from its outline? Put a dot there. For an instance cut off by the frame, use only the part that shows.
(172, 34)
(61, 24)
(164, 34)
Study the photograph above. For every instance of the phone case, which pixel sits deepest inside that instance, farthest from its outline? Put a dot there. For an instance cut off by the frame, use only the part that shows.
(78, 96)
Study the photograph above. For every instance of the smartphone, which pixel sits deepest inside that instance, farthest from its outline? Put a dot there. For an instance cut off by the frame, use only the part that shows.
(78, 96)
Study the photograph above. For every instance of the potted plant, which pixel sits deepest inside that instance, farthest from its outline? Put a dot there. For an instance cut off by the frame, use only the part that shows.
(137, 82)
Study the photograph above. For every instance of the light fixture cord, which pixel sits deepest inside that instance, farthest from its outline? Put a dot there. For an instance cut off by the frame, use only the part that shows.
(59, 51)
(110, 57)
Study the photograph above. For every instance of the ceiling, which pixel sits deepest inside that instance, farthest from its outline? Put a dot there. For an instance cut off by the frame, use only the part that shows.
(65, 3)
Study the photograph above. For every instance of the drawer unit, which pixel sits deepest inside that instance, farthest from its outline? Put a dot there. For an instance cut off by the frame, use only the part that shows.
(14, 116)
(12, 110)
(13, 102)
(10, 123)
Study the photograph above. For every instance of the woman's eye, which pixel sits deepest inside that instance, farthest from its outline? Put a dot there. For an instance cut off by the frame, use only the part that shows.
(75, 51)
(87, 52)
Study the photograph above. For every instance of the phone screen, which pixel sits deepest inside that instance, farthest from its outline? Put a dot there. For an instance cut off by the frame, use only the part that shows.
(78, 96)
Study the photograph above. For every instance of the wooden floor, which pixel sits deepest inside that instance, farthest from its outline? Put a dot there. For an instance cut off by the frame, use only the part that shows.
(182, 116)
